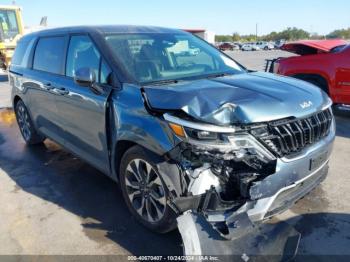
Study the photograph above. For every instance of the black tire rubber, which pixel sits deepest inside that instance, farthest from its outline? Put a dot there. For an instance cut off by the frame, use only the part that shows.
(316, 81)
(319, 84)
(168, 221)
(34, 137)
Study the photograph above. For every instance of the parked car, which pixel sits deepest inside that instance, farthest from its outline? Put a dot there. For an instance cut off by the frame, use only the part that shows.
(238, 44)
(228, 47)
(324, 63)
(250, 47)
(195, 141)
(265, 45)
(279, 43)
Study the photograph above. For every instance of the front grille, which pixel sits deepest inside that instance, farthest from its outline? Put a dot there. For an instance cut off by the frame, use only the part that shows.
(287, 137)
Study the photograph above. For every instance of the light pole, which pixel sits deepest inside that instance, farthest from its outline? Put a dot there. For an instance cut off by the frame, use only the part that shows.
(256, 31)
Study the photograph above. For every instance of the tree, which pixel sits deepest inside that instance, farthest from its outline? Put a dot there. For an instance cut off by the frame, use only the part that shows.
(341, 33)
(236, 37)
(291, 33)
(223, 38)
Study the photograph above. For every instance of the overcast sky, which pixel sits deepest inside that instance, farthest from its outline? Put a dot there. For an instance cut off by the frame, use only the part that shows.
(222, 17)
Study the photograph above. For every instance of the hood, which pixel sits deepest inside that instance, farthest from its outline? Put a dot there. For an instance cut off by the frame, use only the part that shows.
(308, 47)
(243, 98)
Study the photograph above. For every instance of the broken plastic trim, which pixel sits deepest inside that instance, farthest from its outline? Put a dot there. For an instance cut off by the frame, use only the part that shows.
(266, 242)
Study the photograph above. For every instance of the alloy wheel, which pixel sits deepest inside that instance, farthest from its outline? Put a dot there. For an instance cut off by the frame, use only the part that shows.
(145, 190)
(23, 121)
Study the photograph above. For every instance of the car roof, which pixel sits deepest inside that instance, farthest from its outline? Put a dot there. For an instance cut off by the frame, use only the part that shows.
(104, 29)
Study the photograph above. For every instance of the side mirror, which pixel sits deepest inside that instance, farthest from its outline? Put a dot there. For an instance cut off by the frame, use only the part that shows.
(85, 76)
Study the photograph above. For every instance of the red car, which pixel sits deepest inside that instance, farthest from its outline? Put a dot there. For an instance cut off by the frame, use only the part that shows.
(325, 63)
(226, 46)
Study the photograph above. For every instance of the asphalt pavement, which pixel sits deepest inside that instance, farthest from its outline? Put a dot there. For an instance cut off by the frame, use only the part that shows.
(55, 204)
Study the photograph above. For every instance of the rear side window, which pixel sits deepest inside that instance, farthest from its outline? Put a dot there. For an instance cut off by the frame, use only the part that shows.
(19, 53)
(49, 54)
(22, 52)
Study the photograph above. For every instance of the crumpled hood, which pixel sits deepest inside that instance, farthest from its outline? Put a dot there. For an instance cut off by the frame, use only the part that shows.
(243, 98)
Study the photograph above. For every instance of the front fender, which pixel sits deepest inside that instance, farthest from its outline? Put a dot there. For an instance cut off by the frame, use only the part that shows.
(132, 122)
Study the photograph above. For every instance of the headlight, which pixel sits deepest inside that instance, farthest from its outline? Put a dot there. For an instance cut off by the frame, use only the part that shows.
(248, 143)
(201, 134)
(225, 139)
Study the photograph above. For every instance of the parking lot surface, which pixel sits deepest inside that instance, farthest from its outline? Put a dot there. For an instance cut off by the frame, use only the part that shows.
(53, 203)
(255, 60)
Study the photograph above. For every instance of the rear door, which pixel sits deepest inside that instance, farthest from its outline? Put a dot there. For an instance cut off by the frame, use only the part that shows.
(82, 112)
(41, 81)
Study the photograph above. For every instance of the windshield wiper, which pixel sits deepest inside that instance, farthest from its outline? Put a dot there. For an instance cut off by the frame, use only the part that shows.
(218, 75)
(161, 82)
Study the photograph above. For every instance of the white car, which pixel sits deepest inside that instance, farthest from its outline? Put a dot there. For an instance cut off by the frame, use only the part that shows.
(249, 47)
(265, 45)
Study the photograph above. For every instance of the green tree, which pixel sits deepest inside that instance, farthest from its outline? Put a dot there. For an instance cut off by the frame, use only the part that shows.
(223, 38)
(340, 33)
(236, 37)
(291, 33)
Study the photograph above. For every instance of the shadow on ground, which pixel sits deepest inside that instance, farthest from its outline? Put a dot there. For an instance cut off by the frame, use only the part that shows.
(54, 175)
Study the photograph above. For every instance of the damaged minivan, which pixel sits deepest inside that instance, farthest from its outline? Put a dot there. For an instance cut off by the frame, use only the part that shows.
(194, 139)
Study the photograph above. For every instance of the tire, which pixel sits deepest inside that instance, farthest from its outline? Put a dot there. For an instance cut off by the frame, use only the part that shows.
(145, 200)
(266, 48)
(322, 84)
(25, 124)
(319, 84)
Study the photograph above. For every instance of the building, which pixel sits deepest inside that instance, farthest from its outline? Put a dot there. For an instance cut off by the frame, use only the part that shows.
(208, 36)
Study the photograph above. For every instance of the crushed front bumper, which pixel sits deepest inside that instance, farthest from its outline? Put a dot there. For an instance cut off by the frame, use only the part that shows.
(243, 231)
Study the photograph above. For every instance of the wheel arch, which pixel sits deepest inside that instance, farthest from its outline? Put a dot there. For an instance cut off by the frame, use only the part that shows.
(314, 77)
(15, 100)
(169, 170)
(119, 150)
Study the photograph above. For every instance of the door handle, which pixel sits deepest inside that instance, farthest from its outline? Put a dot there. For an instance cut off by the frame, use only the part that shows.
(61, 90)
(48, 86)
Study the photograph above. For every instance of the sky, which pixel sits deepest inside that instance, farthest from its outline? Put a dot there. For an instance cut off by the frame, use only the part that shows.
(222, 17)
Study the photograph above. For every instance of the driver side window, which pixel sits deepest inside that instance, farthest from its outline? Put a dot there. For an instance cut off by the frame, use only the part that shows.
(82, 53)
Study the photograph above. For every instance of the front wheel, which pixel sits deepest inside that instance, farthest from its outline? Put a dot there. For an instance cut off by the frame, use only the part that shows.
(25, 123)
(144, 190)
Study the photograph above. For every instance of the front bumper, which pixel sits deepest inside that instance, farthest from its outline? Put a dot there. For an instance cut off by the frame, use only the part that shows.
(208, 227)
(287, 196)
(293, 180)
(238, 234)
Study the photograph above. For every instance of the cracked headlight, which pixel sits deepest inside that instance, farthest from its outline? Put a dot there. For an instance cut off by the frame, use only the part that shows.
(224, 139)
(248, 143)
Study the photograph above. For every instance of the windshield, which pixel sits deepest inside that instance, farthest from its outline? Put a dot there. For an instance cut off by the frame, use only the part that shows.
(8, 24)
(338, 48)
(158, 57)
